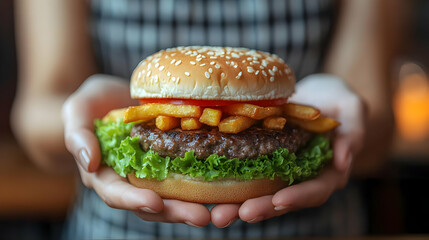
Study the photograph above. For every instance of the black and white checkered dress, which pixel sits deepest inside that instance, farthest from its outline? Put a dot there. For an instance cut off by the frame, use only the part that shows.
(126, 31)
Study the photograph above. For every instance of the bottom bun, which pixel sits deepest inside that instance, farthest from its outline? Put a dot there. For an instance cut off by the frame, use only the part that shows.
(189, 189)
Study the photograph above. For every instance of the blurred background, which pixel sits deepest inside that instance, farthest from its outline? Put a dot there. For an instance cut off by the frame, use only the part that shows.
(33, 204)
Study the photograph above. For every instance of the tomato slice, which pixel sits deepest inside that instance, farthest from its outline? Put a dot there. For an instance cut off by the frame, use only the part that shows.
(212, 103)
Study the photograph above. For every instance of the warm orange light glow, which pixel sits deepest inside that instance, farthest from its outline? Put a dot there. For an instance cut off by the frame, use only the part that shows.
(411, 107)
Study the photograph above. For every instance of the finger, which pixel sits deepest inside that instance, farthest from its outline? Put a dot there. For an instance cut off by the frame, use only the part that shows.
(258, 209)
(176, 211)
(311, 193)
(223, 215)
(116, 192)
(350, 137)
(342, 152)
(95, 97)
(84, 146)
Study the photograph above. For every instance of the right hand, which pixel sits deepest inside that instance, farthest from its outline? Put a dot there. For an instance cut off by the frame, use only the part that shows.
(95, 98)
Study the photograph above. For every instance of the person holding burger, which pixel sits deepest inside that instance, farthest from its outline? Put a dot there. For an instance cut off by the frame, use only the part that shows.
(59, 37)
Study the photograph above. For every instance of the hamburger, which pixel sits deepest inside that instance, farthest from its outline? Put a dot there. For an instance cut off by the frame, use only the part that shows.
(214, 126)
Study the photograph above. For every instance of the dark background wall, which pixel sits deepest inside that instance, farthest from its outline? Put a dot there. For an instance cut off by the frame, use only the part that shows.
(7, 63)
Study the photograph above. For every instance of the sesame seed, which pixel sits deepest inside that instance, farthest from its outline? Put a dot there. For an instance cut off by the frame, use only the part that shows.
(264, 62)
(202, 64)
(177, 80)
(178, 62)
(257, 72)
(210, 53)
(156, 65)
(148, 73)
(172, 61)
(187, 74)
(173, 79)
(213, 57)
(207, 74)
(161, 68)
(212, 63)
(217, 66)
(271, 79)
(199, 59)
(172, 54)
(222, 75)
(235, 66)
(243, 61)
(228, 62)
(265, 74)
(275, 69)
(235, 55)
(169, 74)
(139, 76)
(250, 69)
(192, 62)
(239, 75)
(261, 67)
(227, 57)
(210, 70)
(271, 72)
(149, 65)
(249, 59)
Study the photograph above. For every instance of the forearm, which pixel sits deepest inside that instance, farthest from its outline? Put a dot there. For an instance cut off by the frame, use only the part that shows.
(37, 124)
(54, 58)
(362, 54)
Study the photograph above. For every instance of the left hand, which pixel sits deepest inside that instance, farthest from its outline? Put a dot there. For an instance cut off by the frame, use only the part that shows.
(336, 100)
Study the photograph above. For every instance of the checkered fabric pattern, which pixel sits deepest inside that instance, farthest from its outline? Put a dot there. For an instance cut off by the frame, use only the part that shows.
(341, 216)
(126, 31)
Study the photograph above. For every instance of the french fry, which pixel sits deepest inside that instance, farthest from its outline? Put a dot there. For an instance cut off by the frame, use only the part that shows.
(114, 115)
(190, 123)
(320, 125)
(299, 111)
(211, 116)
(235, 124)
(252, 111)
(276, 123)
(152, 110)
(166, 123)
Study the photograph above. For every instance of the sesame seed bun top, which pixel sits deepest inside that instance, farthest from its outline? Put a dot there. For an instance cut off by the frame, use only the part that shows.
(212, 73)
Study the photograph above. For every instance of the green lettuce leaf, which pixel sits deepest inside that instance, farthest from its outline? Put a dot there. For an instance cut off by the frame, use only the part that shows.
(124, 155)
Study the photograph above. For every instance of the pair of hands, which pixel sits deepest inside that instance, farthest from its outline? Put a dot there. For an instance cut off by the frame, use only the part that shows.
(101, 93)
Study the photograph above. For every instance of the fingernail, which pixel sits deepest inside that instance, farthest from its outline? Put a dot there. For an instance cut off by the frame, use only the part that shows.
(84, 158)
(279, 208)
(229, 223)
(191, 224)
(256, 219)
(148, 210)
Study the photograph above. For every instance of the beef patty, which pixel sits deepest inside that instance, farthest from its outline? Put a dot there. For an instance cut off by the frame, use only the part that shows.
(248, 144)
